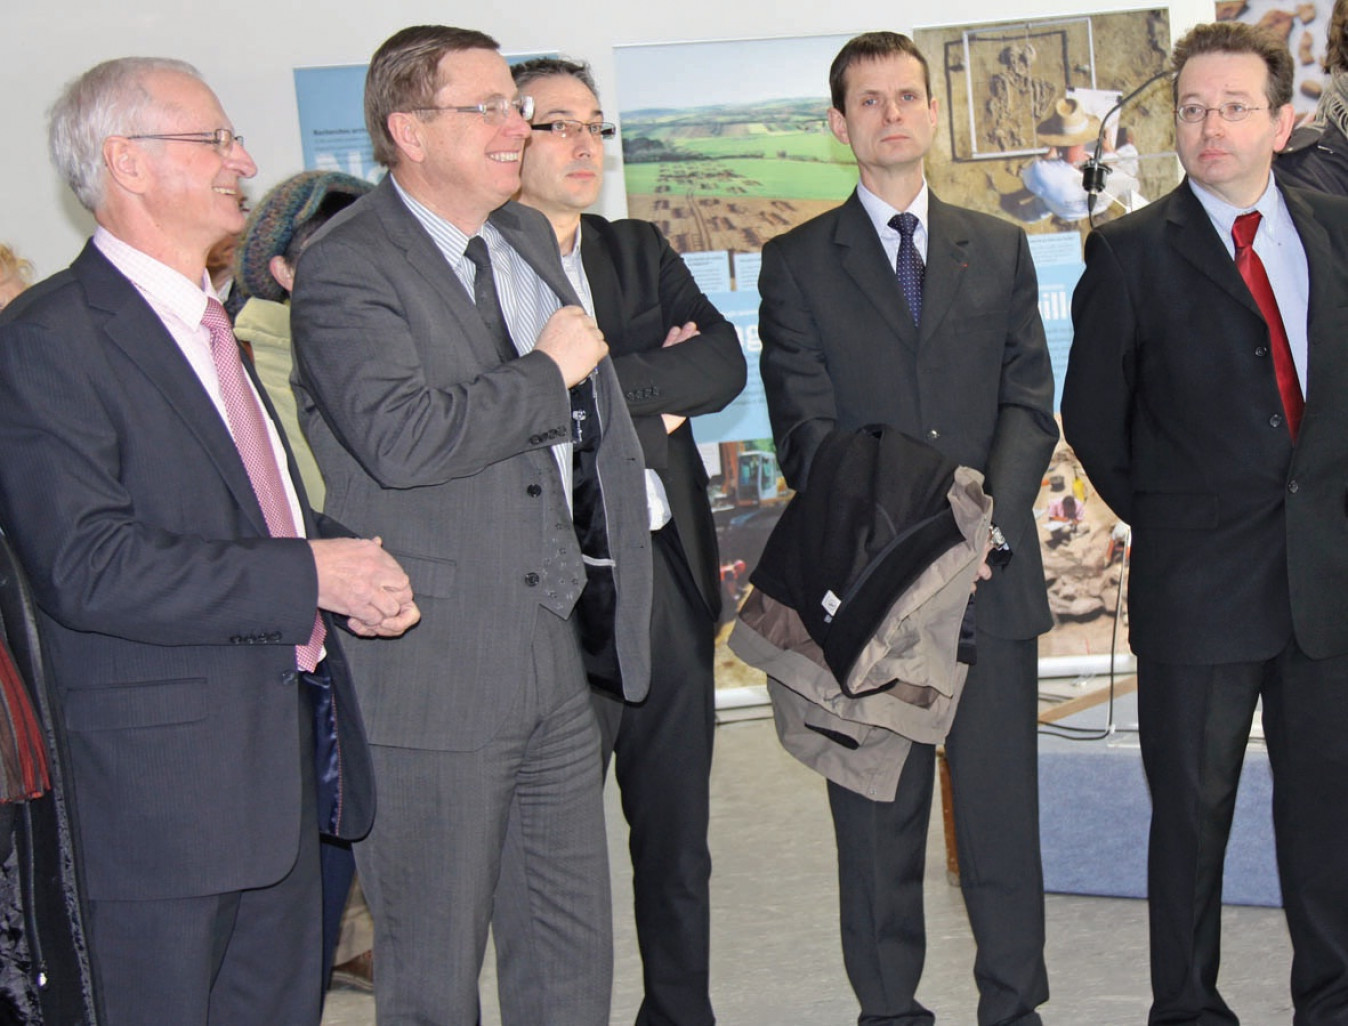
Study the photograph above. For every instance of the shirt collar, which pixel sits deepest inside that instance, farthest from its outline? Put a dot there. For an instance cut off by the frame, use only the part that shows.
(451, 239)
(881, 212)
(170, 289)
(1223, 215)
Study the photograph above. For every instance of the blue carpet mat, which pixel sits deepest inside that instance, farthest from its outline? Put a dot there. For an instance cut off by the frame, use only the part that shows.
(1094, 809)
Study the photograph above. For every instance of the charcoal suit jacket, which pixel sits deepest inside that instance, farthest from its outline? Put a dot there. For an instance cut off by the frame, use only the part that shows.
(973, 380)
(1172, 406)
(168, 614)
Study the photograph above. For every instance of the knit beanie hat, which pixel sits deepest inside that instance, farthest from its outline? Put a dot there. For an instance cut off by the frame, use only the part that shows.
(274, 220)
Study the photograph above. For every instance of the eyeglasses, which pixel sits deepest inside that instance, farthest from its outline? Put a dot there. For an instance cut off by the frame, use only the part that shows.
(1193, 113)
(494, 112)
(573, 129)
(223, 139)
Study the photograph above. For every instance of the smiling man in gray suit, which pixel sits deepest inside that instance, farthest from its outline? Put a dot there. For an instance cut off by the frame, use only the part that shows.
(457, 396)
(899, 309)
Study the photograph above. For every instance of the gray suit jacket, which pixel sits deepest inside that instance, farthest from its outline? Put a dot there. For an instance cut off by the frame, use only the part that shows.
(425, 438)
(840, 350)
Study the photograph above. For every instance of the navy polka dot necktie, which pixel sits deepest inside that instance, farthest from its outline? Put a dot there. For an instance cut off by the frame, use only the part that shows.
(909, 268)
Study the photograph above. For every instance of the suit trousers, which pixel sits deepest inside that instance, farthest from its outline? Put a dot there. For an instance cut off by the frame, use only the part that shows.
(992, 750)
(252, 956)
(661, 749)
(450, 824)
(1195, 726)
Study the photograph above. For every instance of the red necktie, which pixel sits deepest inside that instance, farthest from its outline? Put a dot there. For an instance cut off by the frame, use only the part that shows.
(1251, 268)
(249, 429)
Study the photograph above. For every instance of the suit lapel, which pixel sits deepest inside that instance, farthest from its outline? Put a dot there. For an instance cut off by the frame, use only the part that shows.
(427, 262)
(537, 244)
(1326, 278)
(604, 287)
(947, 263)
(134, 328)
(1192, 235)
(863, 259)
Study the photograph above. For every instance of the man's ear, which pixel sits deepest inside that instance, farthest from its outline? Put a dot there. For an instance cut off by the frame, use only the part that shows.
(282, 272)
(837, 124)
(1286, 119)
(127, 164)
(406, 130)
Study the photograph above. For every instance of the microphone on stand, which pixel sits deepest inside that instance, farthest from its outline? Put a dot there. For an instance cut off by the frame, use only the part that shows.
(1094, 172)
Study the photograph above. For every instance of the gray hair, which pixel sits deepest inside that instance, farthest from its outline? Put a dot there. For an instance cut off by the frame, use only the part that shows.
(546, 67)
(109, 99)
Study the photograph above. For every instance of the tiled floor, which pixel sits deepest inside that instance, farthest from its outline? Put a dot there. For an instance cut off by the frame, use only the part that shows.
(776, 959)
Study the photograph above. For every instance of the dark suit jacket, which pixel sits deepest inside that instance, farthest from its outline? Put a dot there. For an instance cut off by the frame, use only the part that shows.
(1172, 407)
(169, 614)
(426, 438)
(641, 289)
(840, 350)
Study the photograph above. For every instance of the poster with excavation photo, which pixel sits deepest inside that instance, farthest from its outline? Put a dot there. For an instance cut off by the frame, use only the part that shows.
(1021, 106)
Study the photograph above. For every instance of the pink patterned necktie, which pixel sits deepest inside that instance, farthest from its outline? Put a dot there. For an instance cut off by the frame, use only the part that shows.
(1251, 268)
(249, 429)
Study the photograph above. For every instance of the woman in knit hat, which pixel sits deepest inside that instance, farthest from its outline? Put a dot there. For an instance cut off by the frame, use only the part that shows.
(277, 231)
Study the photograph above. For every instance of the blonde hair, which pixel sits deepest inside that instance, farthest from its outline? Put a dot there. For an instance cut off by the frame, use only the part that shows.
(14, 266)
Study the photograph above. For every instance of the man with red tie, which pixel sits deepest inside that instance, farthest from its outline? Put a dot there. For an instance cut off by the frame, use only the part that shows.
(1207, 398)
(182, 585)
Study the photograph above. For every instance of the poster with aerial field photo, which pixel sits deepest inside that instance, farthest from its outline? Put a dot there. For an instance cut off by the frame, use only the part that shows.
(726, 144)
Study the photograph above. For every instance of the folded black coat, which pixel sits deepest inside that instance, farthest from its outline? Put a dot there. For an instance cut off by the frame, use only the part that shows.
(874, 516)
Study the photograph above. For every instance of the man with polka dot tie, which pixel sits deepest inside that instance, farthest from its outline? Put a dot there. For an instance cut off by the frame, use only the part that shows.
(899, 309)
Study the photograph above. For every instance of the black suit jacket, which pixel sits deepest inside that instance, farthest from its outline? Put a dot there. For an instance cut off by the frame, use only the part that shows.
(168, 613)
(1172, 406)
(840, 350)
(641, 288)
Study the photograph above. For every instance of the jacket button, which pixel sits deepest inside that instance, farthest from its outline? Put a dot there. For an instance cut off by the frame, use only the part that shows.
(535, 439)
(534, 491)
(1293, 486)
(1261, 351)
(531, 579)
(933, 434)
(274, 637)
(236, 639)
(1275, 420)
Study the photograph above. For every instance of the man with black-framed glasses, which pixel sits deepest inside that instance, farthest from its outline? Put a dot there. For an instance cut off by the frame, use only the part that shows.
(456, 394)
(676, 357)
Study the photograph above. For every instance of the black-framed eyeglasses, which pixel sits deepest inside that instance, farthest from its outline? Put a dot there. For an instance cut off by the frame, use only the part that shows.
(566, 129)
(223, 139)
(494, 111)
(1193, 113)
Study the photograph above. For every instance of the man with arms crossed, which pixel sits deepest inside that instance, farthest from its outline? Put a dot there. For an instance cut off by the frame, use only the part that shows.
(1207, 398)
(676, 357)
(436, 338)
(899, 309)
(155, 506)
